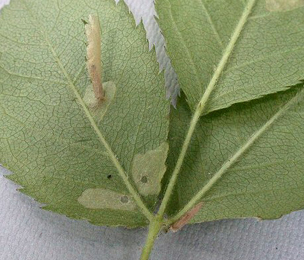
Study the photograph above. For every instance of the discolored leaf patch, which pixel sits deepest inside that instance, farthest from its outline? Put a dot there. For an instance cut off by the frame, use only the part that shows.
(98, 109)
(283, 5)
(106, 199)
(148, 170)
(184, 220)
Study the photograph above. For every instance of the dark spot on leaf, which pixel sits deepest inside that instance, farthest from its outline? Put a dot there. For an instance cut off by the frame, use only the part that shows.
(84, 21)
(109, 176)
(124, 199)
(144, 179)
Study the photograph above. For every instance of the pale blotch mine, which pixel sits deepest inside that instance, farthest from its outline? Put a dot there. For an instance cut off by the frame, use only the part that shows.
(97, 109)
(283, 5)
(106, 199)
(148, 170)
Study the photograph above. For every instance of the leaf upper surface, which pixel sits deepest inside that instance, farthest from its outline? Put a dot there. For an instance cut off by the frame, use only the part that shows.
(46, 137)
(239, 49)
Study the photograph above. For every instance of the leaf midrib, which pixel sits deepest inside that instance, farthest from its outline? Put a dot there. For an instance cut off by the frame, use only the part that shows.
(225, 57)
(201, 107)
(112, 156)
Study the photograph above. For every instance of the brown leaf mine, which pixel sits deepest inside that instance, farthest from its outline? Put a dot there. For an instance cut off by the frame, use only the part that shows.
(94, 66)
(186, 218)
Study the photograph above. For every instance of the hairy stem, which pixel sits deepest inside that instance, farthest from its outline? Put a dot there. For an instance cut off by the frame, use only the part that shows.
(154, 228)
(155, 224)
(179, 163)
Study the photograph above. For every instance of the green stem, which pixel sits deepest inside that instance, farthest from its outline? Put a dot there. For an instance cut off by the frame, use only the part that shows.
(154, 228)
(156, 223)
(179, 163)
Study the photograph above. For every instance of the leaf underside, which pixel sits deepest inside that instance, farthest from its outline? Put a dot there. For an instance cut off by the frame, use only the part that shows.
(46, 137)
(247, 160)
(263, 46)
(266, 181)
(253, 149)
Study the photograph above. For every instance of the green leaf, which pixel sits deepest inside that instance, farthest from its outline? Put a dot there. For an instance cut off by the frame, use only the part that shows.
(65, 153)
(246, 161)
(233, 51)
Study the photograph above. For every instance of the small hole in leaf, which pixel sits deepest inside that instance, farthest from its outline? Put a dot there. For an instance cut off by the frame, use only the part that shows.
(109, 176)
(124, 199)
(144, 179)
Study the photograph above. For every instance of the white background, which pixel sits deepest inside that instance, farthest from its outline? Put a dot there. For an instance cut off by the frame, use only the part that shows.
(30, 233)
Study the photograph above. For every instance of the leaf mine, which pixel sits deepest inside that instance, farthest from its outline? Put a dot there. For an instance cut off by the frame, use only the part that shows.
(106, 199)
(283, 5)
(186, 218)
(148, 170)
(93, 33)
(97, 109)
(50, 137)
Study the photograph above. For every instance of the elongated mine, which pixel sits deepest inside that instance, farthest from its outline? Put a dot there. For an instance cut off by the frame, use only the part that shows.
(94, 66)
